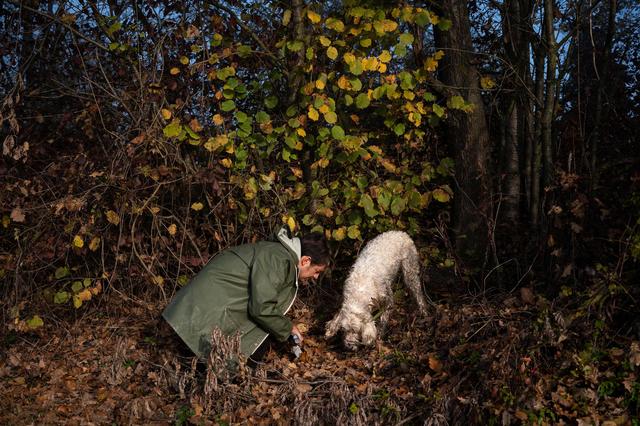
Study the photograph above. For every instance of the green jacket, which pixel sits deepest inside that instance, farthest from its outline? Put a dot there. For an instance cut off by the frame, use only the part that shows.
(246, 289)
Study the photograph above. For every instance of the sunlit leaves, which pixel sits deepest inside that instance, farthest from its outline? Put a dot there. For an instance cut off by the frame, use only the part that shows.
(362, 101)
(197, 206)
(313, 17)
(487, 83)
(35, 322)
(78, 241)
(172, 129)
(166, 114)
(332, 52)
(112, 217)
(228, 105)
(330, 117)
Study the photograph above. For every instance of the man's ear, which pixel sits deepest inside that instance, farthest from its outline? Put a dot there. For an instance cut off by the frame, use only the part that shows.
(305, 261)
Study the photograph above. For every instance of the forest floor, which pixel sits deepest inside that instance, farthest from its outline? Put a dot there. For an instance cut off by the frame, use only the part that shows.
(514, 358)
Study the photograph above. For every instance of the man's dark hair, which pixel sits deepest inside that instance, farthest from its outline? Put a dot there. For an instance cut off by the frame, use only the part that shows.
(315, 246)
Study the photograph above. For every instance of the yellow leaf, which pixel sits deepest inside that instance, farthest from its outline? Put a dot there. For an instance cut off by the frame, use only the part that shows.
(487, 83)
(382, 68)
(184, 60)
(330, 117)
(324, 41)
(85, 295)
(313, 16)
(172, 229)
(76, 301)
(218, 120)
(158, 280)
(313, 114)
(339, 234)
(385, 56)
(113, 217)
(324, 211)
(291, 223)
(320, 84)
(174, 71)
(197, 206)
(438, 55)
(441, 195)
(390, 25)
(94, 244)
(324, 108)
(343, 83)
(332, 52)
(226, 163)
(78, 241)
(349, 58)
(430, 64)
(166, 114)
(6, 221)
(300, 131)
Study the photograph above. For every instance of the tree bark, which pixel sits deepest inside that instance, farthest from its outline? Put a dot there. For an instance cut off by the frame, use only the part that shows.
(602, 79)
(470, 136)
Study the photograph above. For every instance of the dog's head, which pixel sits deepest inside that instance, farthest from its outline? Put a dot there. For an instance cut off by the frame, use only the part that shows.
(356, 331)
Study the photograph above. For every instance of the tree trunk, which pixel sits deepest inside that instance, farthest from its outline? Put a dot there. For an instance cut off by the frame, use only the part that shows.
(602, 79)
(470, 135)
(550, 93)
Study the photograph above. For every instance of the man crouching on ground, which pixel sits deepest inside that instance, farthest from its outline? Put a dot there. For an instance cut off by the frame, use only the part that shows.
(247, 289)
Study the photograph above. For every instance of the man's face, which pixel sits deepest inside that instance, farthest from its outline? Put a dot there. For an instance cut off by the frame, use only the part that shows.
(309, 270)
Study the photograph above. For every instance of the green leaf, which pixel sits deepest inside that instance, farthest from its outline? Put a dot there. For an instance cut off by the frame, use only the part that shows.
(438, 110)
(367, 203)
(271, 102)
(406, 38)
(429, 97)
(356, 84)
(76, 286)
(172, 129)
(262, 117)
(399, 129)
(456, 102)
(227, 106)
(422, 18)
(398, 205)
(330, 117)
(362, 101)
(384, 199)
(356, 67)
(353, 232)
(61, 297)
(244, 50)
(295, 46)
(240, 116)
(444, 24)
(62, 272)
(441, 195)
(337, 132)
(35, 322)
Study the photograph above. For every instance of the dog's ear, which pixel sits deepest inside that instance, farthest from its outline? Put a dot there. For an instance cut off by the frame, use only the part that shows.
(369, 333)
(333, 326)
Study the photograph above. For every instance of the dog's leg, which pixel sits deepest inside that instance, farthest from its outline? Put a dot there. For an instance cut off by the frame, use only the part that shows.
(369, 332)
(411, 274)
(333, 326)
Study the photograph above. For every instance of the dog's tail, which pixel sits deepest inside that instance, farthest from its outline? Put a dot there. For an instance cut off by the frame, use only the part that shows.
(411, 274)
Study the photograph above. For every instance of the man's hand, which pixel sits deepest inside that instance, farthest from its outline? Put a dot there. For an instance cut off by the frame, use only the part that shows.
(297, 332)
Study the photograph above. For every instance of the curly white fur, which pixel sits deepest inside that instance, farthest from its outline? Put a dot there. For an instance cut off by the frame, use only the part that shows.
(369, 284)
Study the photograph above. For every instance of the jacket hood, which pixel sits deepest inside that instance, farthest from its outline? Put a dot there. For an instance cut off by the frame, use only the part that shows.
(291, 243)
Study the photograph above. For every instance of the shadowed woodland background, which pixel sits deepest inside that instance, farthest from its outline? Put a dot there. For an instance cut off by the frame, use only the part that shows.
(140, 139)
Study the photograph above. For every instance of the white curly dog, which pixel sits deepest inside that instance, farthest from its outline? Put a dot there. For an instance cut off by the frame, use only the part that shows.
(369, 284)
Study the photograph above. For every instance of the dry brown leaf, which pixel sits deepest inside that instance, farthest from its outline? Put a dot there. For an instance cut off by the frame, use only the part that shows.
(17, 215)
